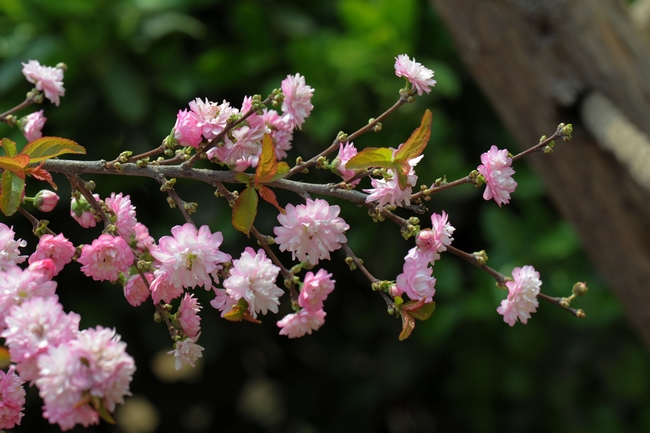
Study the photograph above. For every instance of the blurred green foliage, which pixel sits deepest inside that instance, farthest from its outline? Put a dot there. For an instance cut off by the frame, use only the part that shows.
(134, 63)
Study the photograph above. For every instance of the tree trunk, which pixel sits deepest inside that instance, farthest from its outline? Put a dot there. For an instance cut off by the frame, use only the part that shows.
(537, 61)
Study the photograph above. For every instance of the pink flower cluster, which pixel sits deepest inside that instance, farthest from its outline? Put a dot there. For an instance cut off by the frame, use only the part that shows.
(311, 316)
(48, 80)
(497, 171)
(522, 296)
(241, 147)
(76, 371)
(416, 279)
(419, 76)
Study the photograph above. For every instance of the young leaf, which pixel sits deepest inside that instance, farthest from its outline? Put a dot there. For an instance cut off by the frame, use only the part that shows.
(41, 174)
(45, 148)
(245, 210)
(419, 309)
(283, 169)
(12, 192)
(417, 142)
(9, 147)
(371, 157)
(269, 196)
(15, 164)
(408, 325)
(268, 165)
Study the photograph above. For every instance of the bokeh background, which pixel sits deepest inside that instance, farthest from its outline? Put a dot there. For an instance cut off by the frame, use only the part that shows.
(134, 63)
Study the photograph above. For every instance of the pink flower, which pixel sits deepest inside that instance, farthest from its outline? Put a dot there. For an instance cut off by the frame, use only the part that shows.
(57, 248)
(164, 287)
(522, 296)
(497, 171)
(243, 150)
(80, 210)
(135, 290)
(12, 398)
(315, 289)
(311, 231)
(47, 79)
(301, 323)
(437, 239)
(211, 118)
(143, 242)
(252, 278)
(419, 76)
(189, 258)
(223, 301)
(106, 257)
(281, 132)
(186, 130)
(124, 211)
(35, 326)
(388, 191)
(297, 100)
(346, 152)
(9, 252)
(416, 279)
(188, 315)
(32, 125)
(186, 352)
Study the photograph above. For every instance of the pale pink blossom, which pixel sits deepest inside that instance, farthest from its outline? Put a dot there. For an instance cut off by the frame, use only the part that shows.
(31, 125)
(346, 152)
(189, 258)
(186, 129)
(57, 248)
(124, 211)
(303, 322)
(186, 352)
(522, 296)
(211, 117)
(135, 289)
(223, 301)
(12, 398)
(35, 326)
(416, 279)
(497, 171)
(106, 257)
(297, 100)
(80, 210)
(47, 79)
(242, 147)
(435, 240)
(165, 287)
(315, 289)
(9, 248)
(388, 191)
(143, 241)
(188, 315)
(281, 132)
(252, 278)
(311, 231)
(419, 76)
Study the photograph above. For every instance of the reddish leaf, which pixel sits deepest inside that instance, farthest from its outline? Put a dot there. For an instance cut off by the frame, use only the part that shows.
(268, 165)
(45, 148)
(419, 310)
(41, 174)
(12, 192)
(269, 196)
(245, 210)
(15, 164)
(417, 142)
(4, 357)
(408, 325)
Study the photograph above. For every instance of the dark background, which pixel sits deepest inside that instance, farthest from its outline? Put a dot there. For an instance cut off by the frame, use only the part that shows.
(133, 64)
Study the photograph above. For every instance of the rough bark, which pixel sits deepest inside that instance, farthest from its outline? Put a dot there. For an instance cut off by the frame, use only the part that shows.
(536, 61)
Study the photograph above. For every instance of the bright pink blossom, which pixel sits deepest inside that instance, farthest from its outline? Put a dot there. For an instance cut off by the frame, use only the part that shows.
(301, 323)
(186, 352)
(189, 258)
(31, 125)
(47, 79)
(315, 289)
(297, 100)
(252, 278)
(416, 279)
(80, 210)
(106, 257)
(242, 147)
(9, 248)
(522, 296)
(35, 326)
(188, 315)
(57, 248)
(186, 130)
(124, 211)
(311, 231)
(12, 399)
(211, 118)
(419, 76)
(497, 171)
(135, 290)
(346, 152)
(435, 240)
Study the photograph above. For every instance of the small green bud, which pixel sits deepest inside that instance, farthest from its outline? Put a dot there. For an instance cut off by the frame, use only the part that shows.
(580, 289)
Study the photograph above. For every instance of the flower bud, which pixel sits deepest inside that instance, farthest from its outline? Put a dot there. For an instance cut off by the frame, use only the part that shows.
(580, 289)
(45, 200)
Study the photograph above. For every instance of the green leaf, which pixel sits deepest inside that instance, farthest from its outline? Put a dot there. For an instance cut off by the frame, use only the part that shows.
(243, 178)
(9, 147)
(49, 147)
(245, 210)
(424, 311)
(268, 164)
(283, 169)
(12, 192)
(371, 157)
(417, 142)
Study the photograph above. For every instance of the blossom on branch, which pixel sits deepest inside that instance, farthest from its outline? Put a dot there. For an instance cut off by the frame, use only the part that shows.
(124, 211)
(186, 352)
(433, 241)
(9, 248)
(12, 398)
(80, 210)
(387, 191)
(106, 257)
(57, 248)
(303, 322)
(31, 125)
(297, 100)
(211, 118)
(416, 279)
(315, 289)
(47, 79)
(522, 296)
(419, 76)
(135, 289)
(497, 171)
(188, 315)
(311, 231)
(346, 152)
(187, 130)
